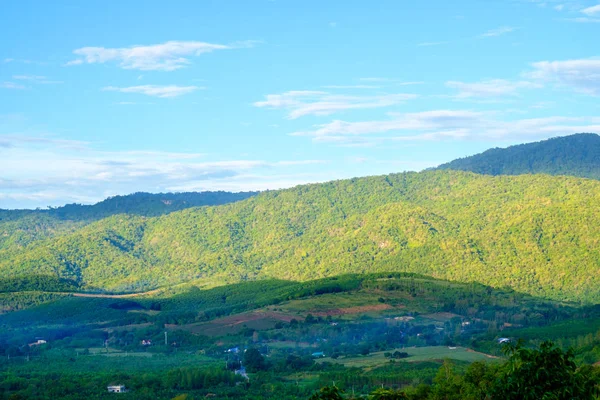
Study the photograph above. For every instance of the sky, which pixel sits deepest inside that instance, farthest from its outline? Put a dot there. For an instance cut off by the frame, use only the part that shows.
(103, 98)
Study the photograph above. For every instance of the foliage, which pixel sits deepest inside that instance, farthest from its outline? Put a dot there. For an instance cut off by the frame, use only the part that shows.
(20, 228)
(576, 155)
(521, 232)
(328, 393)
(545, 373)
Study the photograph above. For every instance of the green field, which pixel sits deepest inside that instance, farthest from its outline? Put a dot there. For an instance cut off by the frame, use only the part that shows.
(417, 354)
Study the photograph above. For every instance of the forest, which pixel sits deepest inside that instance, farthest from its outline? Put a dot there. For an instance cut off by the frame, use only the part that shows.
(505, 231)
(575, 155)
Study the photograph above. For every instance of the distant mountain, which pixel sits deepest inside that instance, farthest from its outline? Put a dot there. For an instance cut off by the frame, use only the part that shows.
(535, 233)
(147, 204)
(575, 155)
(18, 228)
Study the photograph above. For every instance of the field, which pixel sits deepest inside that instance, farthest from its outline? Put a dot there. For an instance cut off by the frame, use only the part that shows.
(417, 354)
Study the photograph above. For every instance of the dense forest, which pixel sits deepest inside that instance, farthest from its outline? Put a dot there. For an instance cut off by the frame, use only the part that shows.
(534, 233)
(575, 155)
(19, 228)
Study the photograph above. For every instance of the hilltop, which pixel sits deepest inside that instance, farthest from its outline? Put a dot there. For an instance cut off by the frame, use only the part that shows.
(535, 233)
(575, 155)
(19, 228)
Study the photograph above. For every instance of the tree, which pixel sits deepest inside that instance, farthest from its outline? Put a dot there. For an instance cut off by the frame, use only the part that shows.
(387, 394)
(328, 393)
(544, 373)
(254, 361)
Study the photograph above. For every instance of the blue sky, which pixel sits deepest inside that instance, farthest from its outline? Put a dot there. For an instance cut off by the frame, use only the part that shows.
(102, 98)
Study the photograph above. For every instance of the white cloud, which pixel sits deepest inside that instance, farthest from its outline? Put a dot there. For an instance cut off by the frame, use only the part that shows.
(592, 11)
(307, 102)
(582, 75)
(40, 171)
(585, 20)
(429, 44)
(35, 79)
(489, 88)
(12, 85)
(167, 56)
(351, 87)
(503, 30)
(447, 124)
(155, 90)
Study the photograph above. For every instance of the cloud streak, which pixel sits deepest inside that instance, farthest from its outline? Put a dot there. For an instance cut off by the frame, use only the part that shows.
(581, 75)
(446, 125)
(592, 11)
(489, 88)
(168, 56)
(307, 102)
(503, 30)
(41, 171)
(167, 91)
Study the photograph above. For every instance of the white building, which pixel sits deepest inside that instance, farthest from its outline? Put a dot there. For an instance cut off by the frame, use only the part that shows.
(116, 389)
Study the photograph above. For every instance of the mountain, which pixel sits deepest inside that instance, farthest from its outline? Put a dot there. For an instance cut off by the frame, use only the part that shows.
(535, 233)
(19, 228)
(575, 155)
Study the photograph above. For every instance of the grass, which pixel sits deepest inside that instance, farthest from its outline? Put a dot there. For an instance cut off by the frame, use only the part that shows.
(417, 354)
(69, 361)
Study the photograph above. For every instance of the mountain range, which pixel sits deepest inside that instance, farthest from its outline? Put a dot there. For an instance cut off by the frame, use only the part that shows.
(535, 233)
(575, 155)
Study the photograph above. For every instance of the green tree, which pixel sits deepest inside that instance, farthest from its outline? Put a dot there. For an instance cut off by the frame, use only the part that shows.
(328, 393)
(254, 361)
(547, 373)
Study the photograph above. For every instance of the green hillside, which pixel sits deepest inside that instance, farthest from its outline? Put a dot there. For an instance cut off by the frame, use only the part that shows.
(575, 155)
(19, 228)
(537, 234)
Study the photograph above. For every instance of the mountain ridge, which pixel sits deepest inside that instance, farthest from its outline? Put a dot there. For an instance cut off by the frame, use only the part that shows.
(517, 231)
(574, 155)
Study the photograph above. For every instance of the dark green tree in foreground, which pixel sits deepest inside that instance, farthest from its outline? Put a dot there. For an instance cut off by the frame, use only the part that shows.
(547, 373)
(328, 393)
(254, 361)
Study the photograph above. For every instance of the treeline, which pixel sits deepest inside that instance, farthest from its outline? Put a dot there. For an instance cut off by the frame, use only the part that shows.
(522, 232)
(575, 155)
(20, 228)
(528, 374)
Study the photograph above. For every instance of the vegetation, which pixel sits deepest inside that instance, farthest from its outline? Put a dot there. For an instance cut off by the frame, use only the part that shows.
(359, 331)
(19, 228)
(536, 234)
(576, 155)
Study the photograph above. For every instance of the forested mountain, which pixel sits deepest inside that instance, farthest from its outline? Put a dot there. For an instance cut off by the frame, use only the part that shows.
(18, 228)
(535, 233)
(575, 155)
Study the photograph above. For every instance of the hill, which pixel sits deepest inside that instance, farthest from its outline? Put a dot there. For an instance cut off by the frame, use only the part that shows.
(18, 228)
(535, 233)
(575, 155)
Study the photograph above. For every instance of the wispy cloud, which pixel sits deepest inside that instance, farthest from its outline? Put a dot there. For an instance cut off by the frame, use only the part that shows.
(308, 102)
(489, 88)
(168, 56)
(155, 90)
(581, 75)
(429, 44)
(447, 125)
(35, 79)
(592, 11)
(584, 20)
(503, 30)
(351, 87)
(12, 85)
(40, 171)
